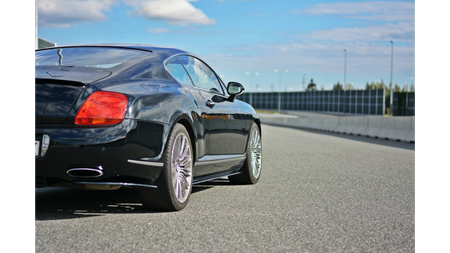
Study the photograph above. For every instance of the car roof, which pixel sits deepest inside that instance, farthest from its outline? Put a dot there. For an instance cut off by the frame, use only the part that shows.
(149, 48)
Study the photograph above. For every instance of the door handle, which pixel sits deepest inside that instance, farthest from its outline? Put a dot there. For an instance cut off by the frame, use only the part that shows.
(210, 104)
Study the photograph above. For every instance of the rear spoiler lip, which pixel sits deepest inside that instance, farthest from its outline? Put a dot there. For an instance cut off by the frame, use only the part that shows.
(59, 81)
(71, 75)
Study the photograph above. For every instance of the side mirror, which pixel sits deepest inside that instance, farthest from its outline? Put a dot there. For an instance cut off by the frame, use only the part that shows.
(234, 89)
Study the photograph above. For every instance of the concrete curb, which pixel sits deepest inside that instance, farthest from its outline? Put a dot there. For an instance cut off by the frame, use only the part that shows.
(392, 128)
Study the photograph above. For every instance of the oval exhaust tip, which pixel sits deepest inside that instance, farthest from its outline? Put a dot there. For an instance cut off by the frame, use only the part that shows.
(85, 172)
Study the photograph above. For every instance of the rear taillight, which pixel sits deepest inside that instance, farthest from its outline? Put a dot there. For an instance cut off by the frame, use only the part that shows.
(103, 108)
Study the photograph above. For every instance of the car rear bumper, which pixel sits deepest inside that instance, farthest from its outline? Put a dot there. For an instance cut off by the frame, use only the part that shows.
(125, 154)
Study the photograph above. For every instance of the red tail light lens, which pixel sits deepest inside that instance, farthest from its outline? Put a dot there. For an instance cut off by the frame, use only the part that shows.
(103, 108)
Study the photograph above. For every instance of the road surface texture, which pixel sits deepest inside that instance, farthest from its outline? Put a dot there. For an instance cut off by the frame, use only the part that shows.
(319, 192)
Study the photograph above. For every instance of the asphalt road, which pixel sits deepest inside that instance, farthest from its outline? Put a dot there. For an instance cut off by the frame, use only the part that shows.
(319, 192)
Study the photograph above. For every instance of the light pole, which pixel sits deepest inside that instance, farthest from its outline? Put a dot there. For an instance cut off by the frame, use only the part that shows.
(345, 67)
(303, 82)
(279, 88)
(251, 83)
(406, 84)
(392, 70)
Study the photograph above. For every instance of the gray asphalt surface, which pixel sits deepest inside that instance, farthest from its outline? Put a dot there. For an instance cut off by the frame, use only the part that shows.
(319, 192)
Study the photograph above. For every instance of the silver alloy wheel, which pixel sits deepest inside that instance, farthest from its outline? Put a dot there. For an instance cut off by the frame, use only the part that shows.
(255, 149)
(181, 161)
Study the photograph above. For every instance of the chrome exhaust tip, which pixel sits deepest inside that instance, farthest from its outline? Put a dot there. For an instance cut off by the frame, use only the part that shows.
(85, 172)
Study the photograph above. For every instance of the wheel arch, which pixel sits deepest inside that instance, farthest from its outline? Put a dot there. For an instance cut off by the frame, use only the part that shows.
(184, 120)
(258, 123)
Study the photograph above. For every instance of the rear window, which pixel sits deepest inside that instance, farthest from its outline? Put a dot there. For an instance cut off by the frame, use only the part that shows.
(90, 57)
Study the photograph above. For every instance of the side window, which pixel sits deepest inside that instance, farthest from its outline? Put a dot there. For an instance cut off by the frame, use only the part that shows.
(201, 74)
(177, 71)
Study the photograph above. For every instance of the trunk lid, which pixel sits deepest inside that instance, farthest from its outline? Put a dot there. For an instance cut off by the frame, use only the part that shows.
(57, 90)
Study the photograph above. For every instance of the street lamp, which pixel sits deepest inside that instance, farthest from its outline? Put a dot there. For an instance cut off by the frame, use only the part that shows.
(406, 84)
(251, 77)
(279, 88)
(345, 68)
(392, 70)
(251, 83)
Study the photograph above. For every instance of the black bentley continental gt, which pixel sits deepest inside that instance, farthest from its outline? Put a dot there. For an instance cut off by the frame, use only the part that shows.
(155, 118)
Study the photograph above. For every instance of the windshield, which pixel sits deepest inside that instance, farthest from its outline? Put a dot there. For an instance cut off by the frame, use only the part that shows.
(91, 57)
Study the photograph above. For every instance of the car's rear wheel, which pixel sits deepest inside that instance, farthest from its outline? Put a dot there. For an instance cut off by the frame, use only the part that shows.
(251, 170)
(175, 182)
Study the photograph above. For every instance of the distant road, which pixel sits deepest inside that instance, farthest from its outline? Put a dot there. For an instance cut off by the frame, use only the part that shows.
(319, 192)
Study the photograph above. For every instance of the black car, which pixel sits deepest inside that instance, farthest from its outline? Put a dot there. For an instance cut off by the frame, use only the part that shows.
(156, 118)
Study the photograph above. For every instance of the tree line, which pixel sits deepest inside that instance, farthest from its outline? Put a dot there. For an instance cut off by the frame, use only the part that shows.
(369, 86)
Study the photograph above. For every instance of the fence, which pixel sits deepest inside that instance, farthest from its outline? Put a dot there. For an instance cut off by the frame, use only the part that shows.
(358, 102)
(404, 104)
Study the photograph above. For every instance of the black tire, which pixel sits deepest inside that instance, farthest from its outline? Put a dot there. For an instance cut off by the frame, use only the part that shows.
(175, 182)
(251, 170)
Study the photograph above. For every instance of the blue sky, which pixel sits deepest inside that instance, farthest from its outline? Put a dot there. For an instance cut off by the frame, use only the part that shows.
(236, 37)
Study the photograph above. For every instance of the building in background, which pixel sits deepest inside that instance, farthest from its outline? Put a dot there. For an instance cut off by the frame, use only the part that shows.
(45, 43)
(36, 42)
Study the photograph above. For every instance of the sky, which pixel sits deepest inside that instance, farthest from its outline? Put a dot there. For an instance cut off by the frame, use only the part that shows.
(245, 40)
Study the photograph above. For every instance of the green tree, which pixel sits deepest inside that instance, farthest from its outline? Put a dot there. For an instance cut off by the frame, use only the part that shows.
(311, 85)
(349, 86)
(338, 86)
(376, 85)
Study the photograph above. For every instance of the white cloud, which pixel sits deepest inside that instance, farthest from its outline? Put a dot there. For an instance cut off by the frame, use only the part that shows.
(174, 12)
(402, 31)
(366, 60)
(393, 21)
(368, 47)
(157, 30)
(371, 10)
(63, 13)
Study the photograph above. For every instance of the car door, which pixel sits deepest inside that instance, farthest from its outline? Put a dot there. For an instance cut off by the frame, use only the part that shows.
(226, 125)
(176, 69)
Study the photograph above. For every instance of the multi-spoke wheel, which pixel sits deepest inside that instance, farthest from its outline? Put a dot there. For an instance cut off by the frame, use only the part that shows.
(251, 170)
(181, 163)
(255, 152)
(175, 181)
